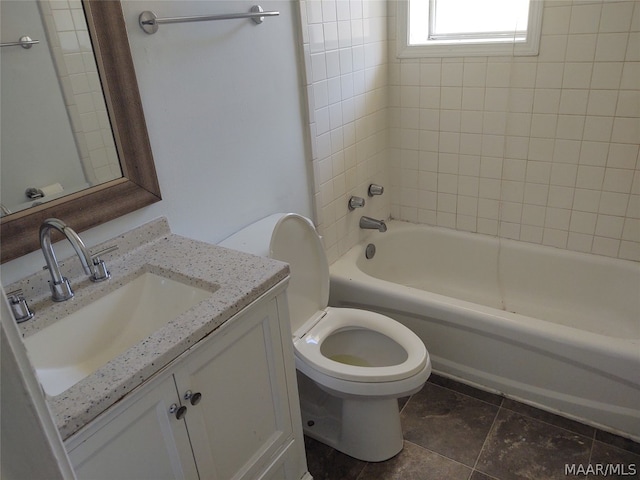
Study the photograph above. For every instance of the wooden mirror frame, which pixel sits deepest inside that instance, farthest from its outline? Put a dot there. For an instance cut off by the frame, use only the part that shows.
(138, 187)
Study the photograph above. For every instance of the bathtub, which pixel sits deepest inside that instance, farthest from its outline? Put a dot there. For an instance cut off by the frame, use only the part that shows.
(556, 329)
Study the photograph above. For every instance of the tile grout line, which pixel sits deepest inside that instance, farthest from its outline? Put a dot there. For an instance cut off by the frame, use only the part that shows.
(362, 471)
(550, 424)
(500, 407)
(439, 455)
(486, 438)
(593, 444)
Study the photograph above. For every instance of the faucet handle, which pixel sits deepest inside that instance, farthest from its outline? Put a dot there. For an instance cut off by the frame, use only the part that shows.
(109, 249)
(100, 268)
(375, 190)
(355, 202)
(19, 307)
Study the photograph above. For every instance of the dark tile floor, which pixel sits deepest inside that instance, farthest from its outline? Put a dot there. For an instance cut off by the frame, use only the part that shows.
(453, 431)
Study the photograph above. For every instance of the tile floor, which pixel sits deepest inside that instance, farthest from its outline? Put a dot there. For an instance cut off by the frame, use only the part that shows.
(453, 431)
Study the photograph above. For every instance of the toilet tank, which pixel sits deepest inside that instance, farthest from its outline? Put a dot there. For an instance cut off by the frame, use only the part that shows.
(254, 238)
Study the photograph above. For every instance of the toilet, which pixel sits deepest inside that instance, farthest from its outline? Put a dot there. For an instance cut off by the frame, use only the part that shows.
(352, 365)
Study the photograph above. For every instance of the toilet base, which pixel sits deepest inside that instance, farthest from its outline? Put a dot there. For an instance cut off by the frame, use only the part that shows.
(365, 428)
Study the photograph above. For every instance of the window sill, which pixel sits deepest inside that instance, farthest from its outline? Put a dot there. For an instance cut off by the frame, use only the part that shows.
(466, 50)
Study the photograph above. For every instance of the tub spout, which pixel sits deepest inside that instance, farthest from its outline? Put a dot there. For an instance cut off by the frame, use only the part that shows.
(373, 224)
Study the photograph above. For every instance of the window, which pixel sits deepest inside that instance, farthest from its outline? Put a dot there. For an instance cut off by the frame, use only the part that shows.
(468, 27)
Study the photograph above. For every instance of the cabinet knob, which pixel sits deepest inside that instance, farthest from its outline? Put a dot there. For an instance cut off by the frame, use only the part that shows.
(179, 411)
(194, 398)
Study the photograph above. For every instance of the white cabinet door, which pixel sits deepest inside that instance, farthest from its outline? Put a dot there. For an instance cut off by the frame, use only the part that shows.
(242, 420)
(139, 440)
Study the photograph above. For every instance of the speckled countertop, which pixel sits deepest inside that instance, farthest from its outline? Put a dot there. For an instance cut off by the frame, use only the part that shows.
(236, 279)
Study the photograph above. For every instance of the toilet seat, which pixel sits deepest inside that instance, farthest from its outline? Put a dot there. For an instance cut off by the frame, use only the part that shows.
(295, 241)
(336, 320)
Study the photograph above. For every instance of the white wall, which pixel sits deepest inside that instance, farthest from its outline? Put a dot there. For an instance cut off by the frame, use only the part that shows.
(224, 109)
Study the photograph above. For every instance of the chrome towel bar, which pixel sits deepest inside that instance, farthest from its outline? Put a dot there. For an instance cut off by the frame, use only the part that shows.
(149, 21)
(24, 42)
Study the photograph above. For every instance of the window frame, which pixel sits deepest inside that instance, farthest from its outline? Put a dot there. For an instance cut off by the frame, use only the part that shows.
(473, 47)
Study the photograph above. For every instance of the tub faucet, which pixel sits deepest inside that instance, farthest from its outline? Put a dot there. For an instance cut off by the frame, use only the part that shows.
(355, 202)
(375, 190)
(92, 265)
(373, 224)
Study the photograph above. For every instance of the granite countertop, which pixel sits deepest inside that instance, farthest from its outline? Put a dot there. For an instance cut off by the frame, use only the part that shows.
(236, 279)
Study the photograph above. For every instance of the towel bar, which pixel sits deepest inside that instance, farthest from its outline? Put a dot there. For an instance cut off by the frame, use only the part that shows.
(150, 22)
(24, 42)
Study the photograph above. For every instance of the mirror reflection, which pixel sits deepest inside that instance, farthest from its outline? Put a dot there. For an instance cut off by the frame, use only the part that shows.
(56, 135)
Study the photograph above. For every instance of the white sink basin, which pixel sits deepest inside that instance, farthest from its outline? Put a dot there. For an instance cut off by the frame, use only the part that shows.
(74, 347)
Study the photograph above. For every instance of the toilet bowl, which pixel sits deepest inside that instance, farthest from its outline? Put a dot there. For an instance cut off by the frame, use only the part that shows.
(352, 364)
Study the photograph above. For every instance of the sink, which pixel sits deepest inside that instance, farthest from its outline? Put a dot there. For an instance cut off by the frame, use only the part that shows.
(77, 345)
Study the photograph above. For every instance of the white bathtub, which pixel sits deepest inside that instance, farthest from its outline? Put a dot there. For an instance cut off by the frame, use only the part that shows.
(556, 329)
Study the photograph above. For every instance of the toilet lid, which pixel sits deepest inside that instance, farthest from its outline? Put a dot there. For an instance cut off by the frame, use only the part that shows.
(295, 241)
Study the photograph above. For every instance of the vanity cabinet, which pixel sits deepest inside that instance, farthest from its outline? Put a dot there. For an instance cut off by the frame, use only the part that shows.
(139, 440)
(225, 409)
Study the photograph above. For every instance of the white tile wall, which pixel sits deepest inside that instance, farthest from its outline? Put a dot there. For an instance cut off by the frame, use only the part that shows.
(542, 149)
(72, 51)
(345, 54)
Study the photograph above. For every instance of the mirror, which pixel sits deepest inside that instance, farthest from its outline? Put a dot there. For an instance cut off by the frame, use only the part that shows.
(138, 186)
(56, 133)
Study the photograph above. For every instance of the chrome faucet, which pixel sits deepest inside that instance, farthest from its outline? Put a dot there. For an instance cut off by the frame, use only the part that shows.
(92, 265)
(355, 202)
(373, 224)
(375, 190)
(19, 307)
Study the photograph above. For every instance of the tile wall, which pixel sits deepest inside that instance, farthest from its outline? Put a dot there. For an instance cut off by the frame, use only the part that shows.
(72, 52)
(541, 149)
(345, 55)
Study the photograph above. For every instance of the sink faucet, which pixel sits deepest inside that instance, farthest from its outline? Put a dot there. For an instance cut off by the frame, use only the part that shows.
(92, 265)
(373, 224)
